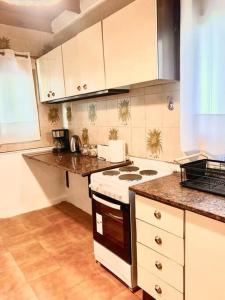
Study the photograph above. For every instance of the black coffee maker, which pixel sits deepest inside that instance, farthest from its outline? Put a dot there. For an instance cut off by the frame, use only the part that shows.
(60, 140)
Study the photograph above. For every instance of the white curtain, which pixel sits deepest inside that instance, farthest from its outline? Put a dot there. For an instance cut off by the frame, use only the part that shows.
(18, 108)
(203, 76)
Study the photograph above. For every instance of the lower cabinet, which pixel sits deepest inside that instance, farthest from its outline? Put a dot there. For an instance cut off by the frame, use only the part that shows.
(205, 258)
(171, 267)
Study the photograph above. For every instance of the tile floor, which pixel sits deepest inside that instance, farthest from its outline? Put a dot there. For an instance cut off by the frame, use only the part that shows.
(48, 255)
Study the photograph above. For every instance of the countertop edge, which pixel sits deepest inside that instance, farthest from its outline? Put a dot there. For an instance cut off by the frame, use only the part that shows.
(178, 205)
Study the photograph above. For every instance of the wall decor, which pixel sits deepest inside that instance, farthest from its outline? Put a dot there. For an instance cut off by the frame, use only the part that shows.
(85, 136)
(69, 113)
(92, 113)
(154, 142)
(4, 43)
(53, 115)
(124, 111)
(113, 134)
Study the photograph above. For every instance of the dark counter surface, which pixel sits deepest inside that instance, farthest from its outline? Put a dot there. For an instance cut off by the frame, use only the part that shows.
(74, 163)
(169, 191)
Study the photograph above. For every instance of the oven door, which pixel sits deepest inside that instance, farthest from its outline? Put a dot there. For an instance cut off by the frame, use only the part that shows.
(111, 225)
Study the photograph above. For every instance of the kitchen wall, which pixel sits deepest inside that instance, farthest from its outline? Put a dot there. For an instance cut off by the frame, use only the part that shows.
(35, 42)
(141, 117)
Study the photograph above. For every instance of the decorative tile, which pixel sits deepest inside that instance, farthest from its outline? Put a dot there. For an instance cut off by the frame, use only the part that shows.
(154, 142)
(92, 113)
(124, 111)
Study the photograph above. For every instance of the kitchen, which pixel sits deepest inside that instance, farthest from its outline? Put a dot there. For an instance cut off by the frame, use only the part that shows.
(112, 169)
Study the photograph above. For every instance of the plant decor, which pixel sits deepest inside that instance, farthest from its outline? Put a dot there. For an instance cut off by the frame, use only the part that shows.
(92, 114)
(69, 113)
(113, 134)
(154, 142)
(124, 110)
(53, 115)
(85, 136)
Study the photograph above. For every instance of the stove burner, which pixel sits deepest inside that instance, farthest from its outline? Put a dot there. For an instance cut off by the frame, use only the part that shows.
(148, 172)
(111, 173)
(130, 177)
(129, 169)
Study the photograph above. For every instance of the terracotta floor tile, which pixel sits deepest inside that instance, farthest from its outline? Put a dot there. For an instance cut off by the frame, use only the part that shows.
(11, 228)
(24, 292)
(99, 287)
(10, 279)
(126, 295)
(54, 285)
(28, 253)
(34, 220)
(6, 261)
(39, 268)
(49, 210)
(48, 254)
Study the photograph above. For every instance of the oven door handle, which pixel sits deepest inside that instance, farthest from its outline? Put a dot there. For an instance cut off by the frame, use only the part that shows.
(114, 217)
(107, 203)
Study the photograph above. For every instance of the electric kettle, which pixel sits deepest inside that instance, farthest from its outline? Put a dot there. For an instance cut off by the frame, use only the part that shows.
(75, 144)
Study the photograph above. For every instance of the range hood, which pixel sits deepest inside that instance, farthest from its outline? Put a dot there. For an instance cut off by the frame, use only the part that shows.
(102, 93)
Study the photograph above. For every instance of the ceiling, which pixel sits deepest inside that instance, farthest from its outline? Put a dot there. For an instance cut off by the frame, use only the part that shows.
(35, 17)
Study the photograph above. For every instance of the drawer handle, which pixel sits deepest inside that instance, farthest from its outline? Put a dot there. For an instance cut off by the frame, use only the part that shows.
(158, 289)
(158, 265)
(158, 240)
(53, 94)
(85, 86)
(157, 214)
(49, 95)
(79, 88)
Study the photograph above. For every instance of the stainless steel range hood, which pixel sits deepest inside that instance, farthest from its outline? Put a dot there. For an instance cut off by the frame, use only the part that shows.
(102, 93)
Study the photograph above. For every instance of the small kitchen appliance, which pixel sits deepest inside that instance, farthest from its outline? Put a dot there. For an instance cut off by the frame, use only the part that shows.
(60, 140)
(113, 209)
(75, 144)
(117, 151)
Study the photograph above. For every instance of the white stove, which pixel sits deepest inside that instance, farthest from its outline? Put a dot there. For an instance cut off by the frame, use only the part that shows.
(113, 183)
(114, 214)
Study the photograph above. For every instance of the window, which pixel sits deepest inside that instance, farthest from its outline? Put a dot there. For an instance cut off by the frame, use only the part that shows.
(18, 107)
(203, 76)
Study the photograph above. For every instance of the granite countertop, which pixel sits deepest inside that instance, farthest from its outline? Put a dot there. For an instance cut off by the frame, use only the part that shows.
(169, 191)
(74, 163)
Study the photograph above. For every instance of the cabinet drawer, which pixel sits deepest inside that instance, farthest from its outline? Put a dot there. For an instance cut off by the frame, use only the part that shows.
(161, 241)
(157, 288)
(161, 266)
(161, 215)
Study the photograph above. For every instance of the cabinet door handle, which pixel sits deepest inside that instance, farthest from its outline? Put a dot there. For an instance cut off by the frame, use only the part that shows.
(158, 289)
(79, 88)
(49, 95)
(85, 86)
(158, 265)
(158, 240)
(53, 94)
(157, 214)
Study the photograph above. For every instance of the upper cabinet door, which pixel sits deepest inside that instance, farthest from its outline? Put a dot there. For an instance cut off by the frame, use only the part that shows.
(71, 64)
(130, 44)
(51, 76)
(84, 62)
(92, 74)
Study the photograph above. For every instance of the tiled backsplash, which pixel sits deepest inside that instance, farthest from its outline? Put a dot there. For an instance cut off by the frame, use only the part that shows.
(141, 117)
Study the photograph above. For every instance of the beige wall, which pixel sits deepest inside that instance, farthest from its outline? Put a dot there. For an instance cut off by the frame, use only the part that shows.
(148, 111)
(25, 40)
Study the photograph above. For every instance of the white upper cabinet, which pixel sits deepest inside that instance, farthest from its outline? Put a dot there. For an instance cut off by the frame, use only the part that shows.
(130, 44)
(51, 76)
(84, 62)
